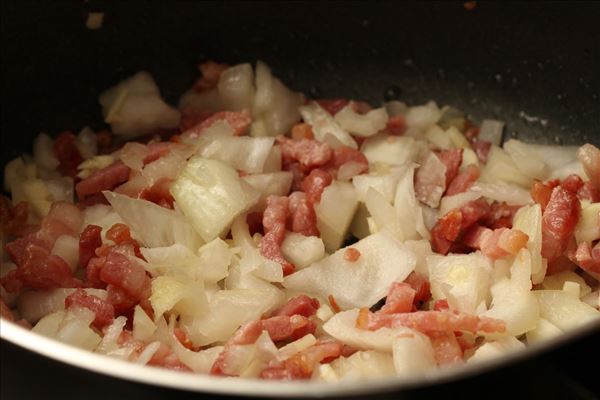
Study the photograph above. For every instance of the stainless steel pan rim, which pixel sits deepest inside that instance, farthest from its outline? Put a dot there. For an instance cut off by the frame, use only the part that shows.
(254, 387)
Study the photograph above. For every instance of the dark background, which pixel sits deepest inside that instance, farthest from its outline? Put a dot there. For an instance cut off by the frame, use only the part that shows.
(500, 60)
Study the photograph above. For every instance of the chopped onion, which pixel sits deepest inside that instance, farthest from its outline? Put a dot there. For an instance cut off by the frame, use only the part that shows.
(247, 154)
(423, 117)
(156, 226)
(395, 108)
(526, 159)
(491, 131)
(275, 183)
(143, 327)
(458, 200)
(413, 354)
(393, 150)
(323, 125)
(501, 167)
(208, 101)
(43, 153)
(111, 336)
(342, 327)
(489, 350)
(275, 104)
(147, 354)
(302, 250)
(335, 212)
(211, 194)
(529, 221)
(511, 194)
(359, 283)
(363, 125)
(134, 107)
(364, 365)
(67, 248)
(565, 310)
(588, 226)
(236, 87)
(87, 143)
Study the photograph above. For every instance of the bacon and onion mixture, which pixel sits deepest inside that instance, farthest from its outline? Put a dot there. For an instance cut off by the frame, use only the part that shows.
(252, 232)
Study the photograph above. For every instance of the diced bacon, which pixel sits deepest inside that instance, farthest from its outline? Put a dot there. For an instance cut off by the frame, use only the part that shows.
(482, 149)
(5, 311)
(351, 254)
(274, 219)
(67, 153)
(302, 364)
(333, 106)
(463, 180)
(399, 299)
(452, 160)
(572, 183)
(104, 179)
(541, 192)
(104, 311)
(120, 234)
(558, 222)
(156, 150)
(473, 211)
(446, 231)
(441, 305)
(13, 219)
(39, 270)
(430, 321)
(314, 184)
(472, 132)
(589, 156)
(497, 243)
(302, 131)
(298, 174)
(396, 125)
(589, 192)
(159, 193)
(211, 72)
(299, 305)
(89, 240)
(587, 258)
(310, 153)
(62, 219)
(239, 122)
(343, 156)
(500, 216)
(421, 286)
(446, 348)
(121, 272)
(302, 217)
(430, 180)
(283, 327)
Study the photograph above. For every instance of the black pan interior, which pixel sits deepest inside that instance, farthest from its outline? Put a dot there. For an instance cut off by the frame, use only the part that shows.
(534, 65)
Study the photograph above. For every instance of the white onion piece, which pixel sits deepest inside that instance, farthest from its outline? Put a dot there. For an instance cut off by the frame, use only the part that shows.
(156, 226)
(147, 354)
(236, 87)
(423, 117)
(526, 159)
(413, 354)
(359, 283)
(247, 154)
(61, 188)
(211, 194)
(393, 150)
(323, 125)
(335, 212)
(302, 250)
(275, 183)
(240, 306)
(111, 336)
(275, 104)
(43, 153)
(132, 154)
(497, 348)
(458, 200)
(134, 107)
(491, 131)
(87, 143)
(511, 194)
(395, 108)
(363, 125)
(67, 248)
(589, 156)
(529, 221)
(342, 326)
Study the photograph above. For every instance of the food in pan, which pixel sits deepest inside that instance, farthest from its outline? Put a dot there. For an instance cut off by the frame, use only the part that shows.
(254, 232)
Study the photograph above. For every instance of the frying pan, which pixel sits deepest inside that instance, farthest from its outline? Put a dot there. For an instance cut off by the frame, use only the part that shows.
(533, 65)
